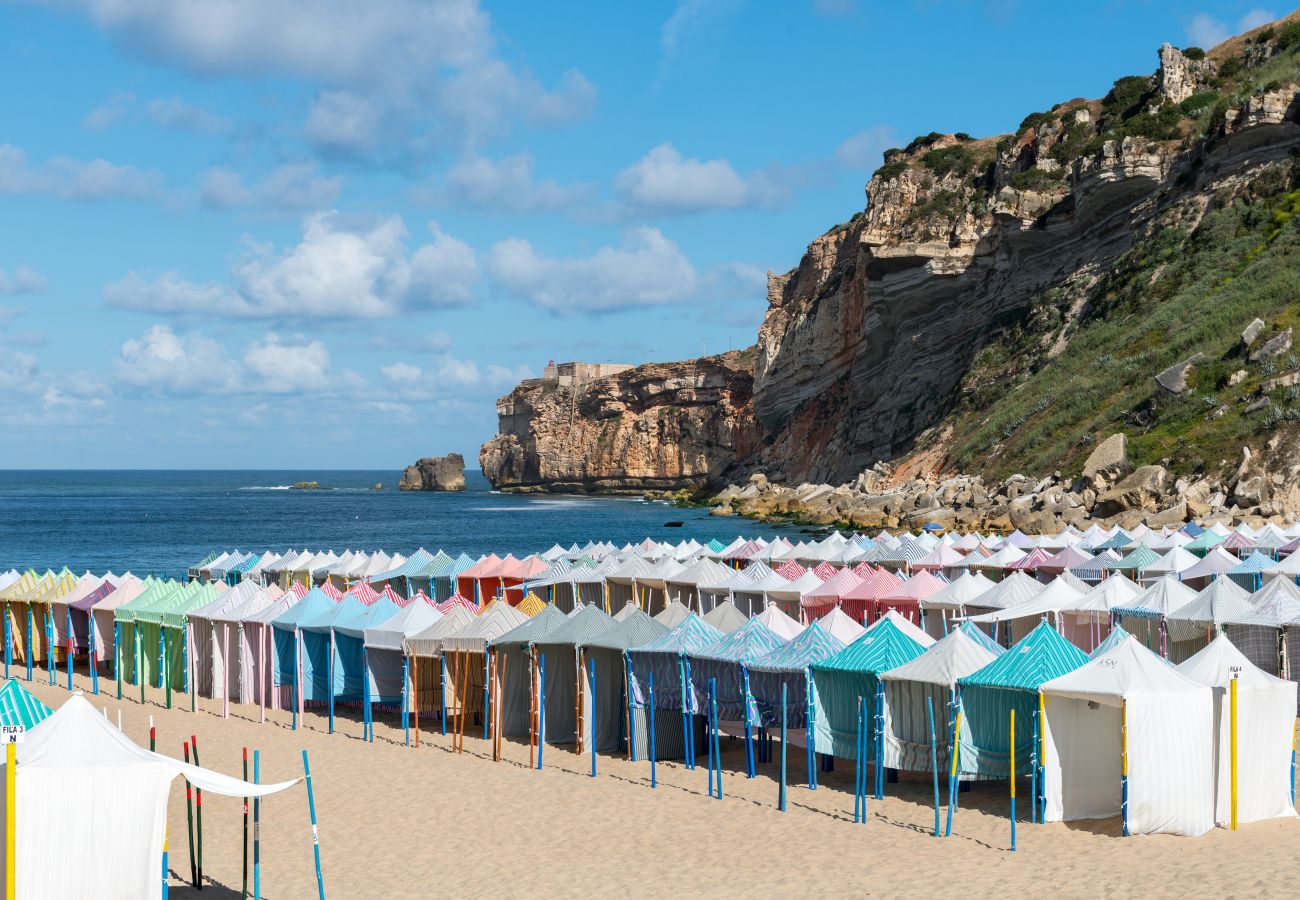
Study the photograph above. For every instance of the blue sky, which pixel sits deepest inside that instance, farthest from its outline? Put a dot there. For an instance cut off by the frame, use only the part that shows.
(265, 234)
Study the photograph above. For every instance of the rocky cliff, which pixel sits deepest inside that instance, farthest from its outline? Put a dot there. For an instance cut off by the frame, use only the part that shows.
(663, 426)
(435, 473)
(1128, 264)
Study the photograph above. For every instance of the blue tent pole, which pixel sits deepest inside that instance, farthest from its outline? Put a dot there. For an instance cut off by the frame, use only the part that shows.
(785, 689)
(857, 768)
(880, 739)
(315, 837)
(49, 643)
(717, 746)
(708, 737)
(69, 648)
(934, 761)
(591, 737)
(442, 657)
(1033, 775)
(365, 695)
(330, 672)
(294, 680)
(117, 655)
(749, 729)
(631, 719)
(808, 730)
(9, 644)
(486, 693)
(541, 706)
(406, 703)
(688, 746)
(955, 749)
(650, 716)
(94, 661)
(28, 654)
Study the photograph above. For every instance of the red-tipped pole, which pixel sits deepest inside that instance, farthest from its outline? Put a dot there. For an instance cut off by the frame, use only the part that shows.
(244, 891)
(198, 815)
(189, 822)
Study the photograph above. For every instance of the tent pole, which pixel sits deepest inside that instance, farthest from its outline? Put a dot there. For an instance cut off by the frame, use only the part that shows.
(442, 693)
(1013, 780)
(487, 694)
(749, 739)
(785, 689)
(315, 836)
(532, 710)
(503, 663)
(243, 892)
(92, 655)
(541, 707)
(858, 770)
(198, 812)
(189, 822)
(1123, 750)
(631, 723)
(952, 778)
(1041, 798)
(1033, 773)
(69, 610)
(592, 738)
(257, 829)
(1232, 745)
(709, 737)
(880, 739)
(329, 670)
(934, 761)
(808, 731)
(406, 721)
(651, 718)
(117, 653)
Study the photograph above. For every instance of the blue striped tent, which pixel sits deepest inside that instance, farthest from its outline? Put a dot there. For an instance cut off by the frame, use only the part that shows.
(514, 650)
(19, 707)
(1009, 682)
(788, 665)
(665, 659)
(723, 661)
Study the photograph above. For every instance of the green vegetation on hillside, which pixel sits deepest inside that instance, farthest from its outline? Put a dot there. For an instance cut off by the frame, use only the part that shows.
(1175, 293)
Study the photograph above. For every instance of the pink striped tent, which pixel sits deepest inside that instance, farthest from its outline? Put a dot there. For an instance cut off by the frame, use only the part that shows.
(331, 591)
(826, 596)
(790, 570)
(457, 600)
(906, 598)
(825, 571)
(860, 602)
(363, 592)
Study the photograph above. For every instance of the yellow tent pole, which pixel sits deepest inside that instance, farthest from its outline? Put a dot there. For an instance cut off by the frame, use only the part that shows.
(1123, 762)
(1013, 779)
(11, 821)
(1232, 745)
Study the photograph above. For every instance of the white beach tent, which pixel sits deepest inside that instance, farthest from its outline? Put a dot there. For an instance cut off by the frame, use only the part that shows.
(1265, 724)
(92, 807)
(1168, 721)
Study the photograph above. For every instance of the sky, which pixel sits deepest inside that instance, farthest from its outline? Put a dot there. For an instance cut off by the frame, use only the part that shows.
(329, 234)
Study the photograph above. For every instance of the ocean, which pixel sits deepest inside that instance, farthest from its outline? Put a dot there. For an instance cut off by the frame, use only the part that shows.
(164, 521)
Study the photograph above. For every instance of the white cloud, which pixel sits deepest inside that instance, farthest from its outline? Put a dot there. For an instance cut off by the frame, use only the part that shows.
(165, 112)
(392, 75)
(1206, 31)
(402, 373)
(24, 281)
(293, 187)
(665, 181)
(450, 376)
(502, 184)
(18, 370)
(338, 270)
(287, 368)
(863, 150)
(72, 179)
(165, 362)
(646, 270)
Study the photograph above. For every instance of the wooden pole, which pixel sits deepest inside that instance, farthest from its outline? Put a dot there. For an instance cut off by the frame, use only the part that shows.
(1232, 745)
(315, 836)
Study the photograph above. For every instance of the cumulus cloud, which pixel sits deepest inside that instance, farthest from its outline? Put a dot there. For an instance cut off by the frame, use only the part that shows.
(505, 184)
(647, 269)
(162, 361)
(392, 75)
(863, 150)
(339, 269)
(290, 188)
(665, 181)
(450, 376)
(1206, 31)
(165, 112)
(72, 179)
(24, 281)
(281, 368)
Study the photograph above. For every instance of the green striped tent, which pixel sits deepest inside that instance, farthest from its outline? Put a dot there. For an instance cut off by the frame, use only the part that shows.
(19, 707)
(1010, 682)
(839, 681)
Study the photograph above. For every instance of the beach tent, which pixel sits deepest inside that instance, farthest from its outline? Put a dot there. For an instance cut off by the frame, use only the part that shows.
(1265, 727)
(350, 681)
(19, 707)
(1214, 563)
(295, 676)
(838, 624)
(723, 661)
(671, 615)
(76, 761)
(211, 678)
(617, 716)
(461, 651)
(1010, 682)
(1127, 734)
(1194, 624)
(257, 649)
(666, 660)
(951, 600)
(931, 677)
(820, 600)
(838, 682)
(568, 718)
(687, 584)
(781, 624)
(1249, 573)
(726, 617)
(1012, 591)
(1256, 631)
(788, 665)
(514, 653)
(1144, 615)
(427, 681)
(383, 649)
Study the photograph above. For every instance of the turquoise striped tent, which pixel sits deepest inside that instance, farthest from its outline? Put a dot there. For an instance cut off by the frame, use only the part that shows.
(789, 665)
(839, 681)
(1116, 636)
(1137, 562)
(1009, 682)
(19, 707)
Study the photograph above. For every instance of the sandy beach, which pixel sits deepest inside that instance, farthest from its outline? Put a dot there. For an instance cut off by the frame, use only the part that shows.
(399, 822)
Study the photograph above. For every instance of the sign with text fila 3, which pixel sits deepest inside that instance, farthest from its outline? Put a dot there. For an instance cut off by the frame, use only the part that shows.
(12, 734)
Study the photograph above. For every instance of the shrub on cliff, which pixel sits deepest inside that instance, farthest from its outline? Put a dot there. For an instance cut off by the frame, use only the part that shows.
(890, 171)
(956, 159)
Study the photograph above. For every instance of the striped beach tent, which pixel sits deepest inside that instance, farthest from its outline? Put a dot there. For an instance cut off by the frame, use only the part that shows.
(1193, 625)
(515, 654)
(1011, 681)
(620, 722)
(838, 682)
(665, 659)
(19, 707)
(723, 661)
(788, 666)
(566, 672)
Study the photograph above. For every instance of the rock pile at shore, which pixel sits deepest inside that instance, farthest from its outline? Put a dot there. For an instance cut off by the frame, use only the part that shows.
(435, 473)
(1107, 492)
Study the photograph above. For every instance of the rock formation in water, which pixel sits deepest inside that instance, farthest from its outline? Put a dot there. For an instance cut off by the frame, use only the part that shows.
(1001, 305)
(435, 473)
(662, 426)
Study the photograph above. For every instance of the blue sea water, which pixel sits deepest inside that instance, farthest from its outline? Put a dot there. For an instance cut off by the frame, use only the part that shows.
(164, 521)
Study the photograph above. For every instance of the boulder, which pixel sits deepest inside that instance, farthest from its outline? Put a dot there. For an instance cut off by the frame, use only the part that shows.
(435, 473)
(1174, 378)
(1238, 377)
(1109, 459)
(1141, 490)
(1173, 516)
(1274, 346)
(1251, 332)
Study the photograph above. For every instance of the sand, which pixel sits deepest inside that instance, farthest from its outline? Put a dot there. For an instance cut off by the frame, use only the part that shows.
(408, 822)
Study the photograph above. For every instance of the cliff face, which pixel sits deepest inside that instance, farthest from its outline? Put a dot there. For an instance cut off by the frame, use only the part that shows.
(876, 336)
(662, 426)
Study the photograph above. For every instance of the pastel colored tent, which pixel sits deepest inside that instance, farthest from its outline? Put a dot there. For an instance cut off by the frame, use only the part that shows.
(210, 649)
(294, 675)
(1194, 624)
(1266, 708)
(951, 600)
(781, 624)
(838, 682)
(1144, 616)
(821, 599)
(464, 654)
(686, 584)
(351, 674)
(931, 677)
(427, 679)
(614, 707)
(561, 648)
(1214, 563)
(726, 617)
(383, 649)
(1009, 682)
(76, 760)
(671, 615)
(838, 624)
(723, 662)
(514, 651)
(665, 659)
(788, 665)
(20, 707)
(1255, 632)
(1127, 732)
(257, 646)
